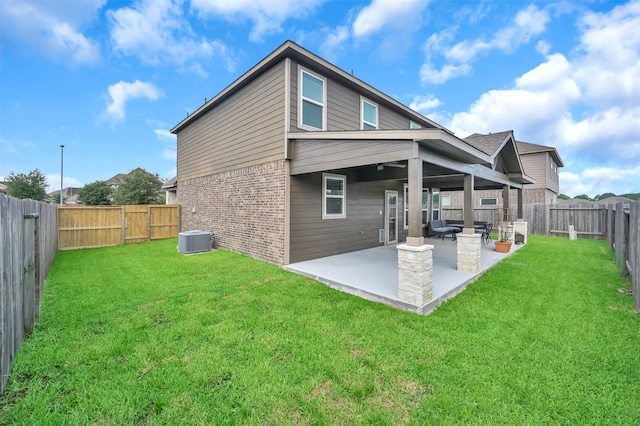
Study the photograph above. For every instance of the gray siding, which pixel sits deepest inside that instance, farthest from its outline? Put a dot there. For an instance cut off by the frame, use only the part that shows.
(244, 130)
(310, 156)
(313, 237)
(343, 107)
(535, 165)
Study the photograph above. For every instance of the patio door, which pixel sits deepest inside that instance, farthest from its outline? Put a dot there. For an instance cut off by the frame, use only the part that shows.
(391, 217)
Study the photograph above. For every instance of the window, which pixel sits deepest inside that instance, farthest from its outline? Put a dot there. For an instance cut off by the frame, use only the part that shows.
(435, 208)
(313, 94)
(413, 125)
(488, 201)
(445, 200)
(334, 194)
(369, 115)
(425, 206)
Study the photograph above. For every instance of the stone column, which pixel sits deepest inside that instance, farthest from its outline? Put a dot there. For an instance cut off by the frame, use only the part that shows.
(415, 274)
(521, 227)
(469, 246)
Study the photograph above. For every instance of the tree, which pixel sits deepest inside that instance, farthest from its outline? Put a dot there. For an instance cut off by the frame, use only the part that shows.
(583, 197)
(563, 197)
(97, 193)
(31, 186)
(603, 196)
(139, 187)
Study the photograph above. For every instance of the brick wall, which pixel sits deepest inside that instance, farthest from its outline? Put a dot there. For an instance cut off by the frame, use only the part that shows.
(530, 196)
(244, 208)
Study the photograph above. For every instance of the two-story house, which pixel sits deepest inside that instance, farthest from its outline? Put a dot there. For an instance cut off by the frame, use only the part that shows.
(539, 162)
(298, 159)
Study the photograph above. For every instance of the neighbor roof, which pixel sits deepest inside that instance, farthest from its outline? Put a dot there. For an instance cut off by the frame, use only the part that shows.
(531, 148)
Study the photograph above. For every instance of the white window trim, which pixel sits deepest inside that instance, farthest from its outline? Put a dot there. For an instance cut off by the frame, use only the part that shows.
(489, 198)
(414, 126)
(342, 215)
(301, 98)
(362, 122)
(405, 205)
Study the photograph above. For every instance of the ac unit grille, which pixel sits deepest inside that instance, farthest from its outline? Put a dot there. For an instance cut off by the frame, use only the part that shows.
(194, 241)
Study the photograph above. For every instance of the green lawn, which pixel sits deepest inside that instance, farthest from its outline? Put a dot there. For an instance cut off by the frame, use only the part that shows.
(144, 335)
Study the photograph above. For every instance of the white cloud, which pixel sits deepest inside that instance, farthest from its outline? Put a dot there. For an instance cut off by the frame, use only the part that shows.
(267, 15)
(332, 43)
(164, 134)
(598, 180)
(53, 182)
(170, 154)
(54, 31)
(424, 104)
(430, 75)
(156, 32)
(380, 13)
(586, 105)
(528, 23)
(121, 92)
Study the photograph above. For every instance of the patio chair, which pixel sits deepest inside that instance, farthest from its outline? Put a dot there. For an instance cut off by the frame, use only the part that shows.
(486, 234)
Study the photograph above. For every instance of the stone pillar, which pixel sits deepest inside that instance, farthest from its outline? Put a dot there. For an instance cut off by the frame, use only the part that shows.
(415, 274)
(469, 246)
(521, 227)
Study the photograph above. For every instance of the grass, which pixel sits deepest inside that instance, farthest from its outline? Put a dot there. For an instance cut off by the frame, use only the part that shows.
(144, 335)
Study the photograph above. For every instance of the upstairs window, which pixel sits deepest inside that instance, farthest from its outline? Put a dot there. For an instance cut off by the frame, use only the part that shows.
(334, 193)
(313, 95)
(413, 125)
(369, 115)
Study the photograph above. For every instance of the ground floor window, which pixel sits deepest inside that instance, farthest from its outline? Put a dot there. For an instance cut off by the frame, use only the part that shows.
(334, 193)
(488, 201)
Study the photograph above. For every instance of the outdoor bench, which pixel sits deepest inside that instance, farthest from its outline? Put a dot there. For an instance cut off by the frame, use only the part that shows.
(441, 228)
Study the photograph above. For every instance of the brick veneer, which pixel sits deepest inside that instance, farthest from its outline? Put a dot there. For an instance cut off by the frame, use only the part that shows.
(244, 208)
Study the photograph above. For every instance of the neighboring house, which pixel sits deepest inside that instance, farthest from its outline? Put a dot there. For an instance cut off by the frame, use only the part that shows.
(170, 187)
(3, 188)
(539, 162)
(69, 195)
(626, 202)
(116, 180)
(298, 159)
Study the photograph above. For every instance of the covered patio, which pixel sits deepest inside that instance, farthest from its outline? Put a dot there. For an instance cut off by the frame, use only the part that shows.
(373, 273)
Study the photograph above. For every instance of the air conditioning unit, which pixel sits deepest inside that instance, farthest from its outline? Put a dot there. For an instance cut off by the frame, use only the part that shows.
(194, 241)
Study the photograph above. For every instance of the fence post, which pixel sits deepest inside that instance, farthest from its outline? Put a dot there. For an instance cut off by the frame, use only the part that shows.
(29, 273)
(610, 223)
(619, 240)
(634, 251)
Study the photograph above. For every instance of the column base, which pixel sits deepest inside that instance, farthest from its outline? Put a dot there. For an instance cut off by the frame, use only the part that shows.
(469, 249)
(415, 274)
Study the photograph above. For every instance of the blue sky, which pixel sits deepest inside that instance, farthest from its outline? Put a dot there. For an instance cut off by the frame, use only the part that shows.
(109, 79)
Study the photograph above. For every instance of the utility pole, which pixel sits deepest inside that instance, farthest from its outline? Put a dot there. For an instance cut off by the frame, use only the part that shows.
(61, 171)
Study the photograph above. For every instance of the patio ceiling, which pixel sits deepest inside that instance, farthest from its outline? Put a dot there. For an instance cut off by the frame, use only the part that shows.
(447, 159)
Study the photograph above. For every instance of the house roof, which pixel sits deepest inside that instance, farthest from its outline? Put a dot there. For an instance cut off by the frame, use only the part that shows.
(292, 50)
(115, 180)
(532, 148)
(489, 143)
(615, 200)
(171, 183)
(502, 149)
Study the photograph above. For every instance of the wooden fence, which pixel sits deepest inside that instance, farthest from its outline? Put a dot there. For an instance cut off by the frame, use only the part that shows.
(623, 235)
(28, 244)
(98, 226)
(620, 226)
(544, 219)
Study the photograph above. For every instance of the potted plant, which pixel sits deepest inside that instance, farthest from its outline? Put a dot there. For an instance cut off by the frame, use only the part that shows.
(503, 244)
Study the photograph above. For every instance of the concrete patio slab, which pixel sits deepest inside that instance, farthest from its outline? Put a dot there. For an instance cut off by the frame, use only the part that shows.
(373, 273)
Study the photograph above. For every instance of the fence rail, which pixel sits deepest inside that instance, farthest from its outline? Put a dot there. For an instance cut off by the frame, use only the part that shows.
(98, 226)
(28, 244)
